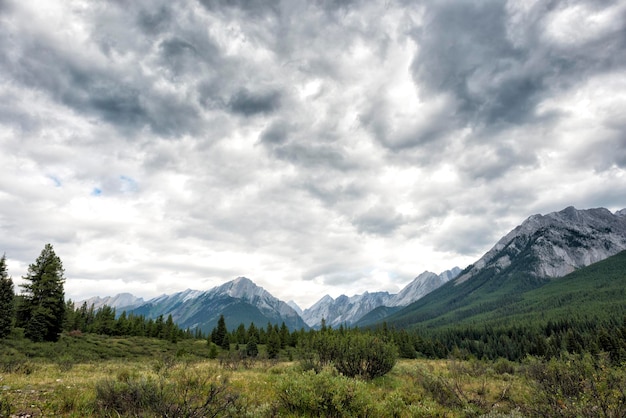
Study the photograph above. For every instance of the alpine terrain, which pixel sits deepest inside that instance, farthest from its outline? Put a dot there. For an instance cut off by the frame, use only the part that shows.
(347, 311)
(240, 301)
(121, 302)
(541, 249)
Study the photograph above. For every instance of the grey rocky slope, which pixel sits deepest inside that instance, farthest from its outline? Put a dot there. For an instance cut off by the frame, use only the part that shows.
(239, 300)
(557, 243)
(347, 311)
(121, 301)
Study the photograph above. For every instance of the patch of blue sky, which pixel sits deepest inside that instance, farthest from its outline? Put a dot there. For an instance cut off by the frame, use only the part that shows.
(129, 184)
(55, 180)
(96, 191)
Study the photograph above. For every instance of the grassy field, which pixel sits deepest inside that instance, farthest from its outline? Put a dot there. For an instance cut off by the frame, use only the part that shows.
(413, 388)
(88, 375)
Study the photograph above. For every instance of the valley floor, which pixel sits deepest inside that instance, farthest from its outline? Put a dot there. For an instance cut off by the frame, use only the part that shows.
(156, 378)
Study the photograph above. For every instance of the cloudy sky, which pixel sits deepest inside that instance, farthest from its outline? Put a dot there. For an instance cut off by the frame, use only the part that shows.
(316, 147)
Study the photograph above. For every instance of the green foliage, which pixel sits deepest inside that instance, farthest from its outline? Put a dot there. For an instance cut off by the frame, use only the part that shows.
(252, 350)
(219, 335)
(7, 300)
(183, 383)
(324, 394)
(273, 344)
(364, 355)
(178, 390)
(354, 353)
(104, 322)
(42, 310)
(577, 385)
(21, 355)
(212, 350)
(6, 409)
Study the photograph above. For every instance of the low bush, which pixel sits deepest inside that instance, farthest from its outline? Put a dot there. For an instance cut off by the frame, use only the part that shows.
(129, 398)
(174, 393)
(14, 363)
(6, 409)
(364, 356)
(577, 385)
(327, 394)
(353, 354)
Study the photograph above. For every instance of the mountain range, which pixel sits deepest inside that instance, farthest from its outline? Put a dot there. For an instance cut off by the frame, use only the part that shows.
(541, 249)
(347, 311)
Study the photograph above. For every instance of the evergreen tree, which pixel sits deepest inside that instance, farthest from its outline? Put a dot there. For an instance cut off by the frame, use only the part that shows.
(323, 327)
(273, 344)
(170, 330)
(7, 300)
(212, 350)
(284, 335)
(240, 334)
(220, 334)
(251, 348)
(104, 321)
(225, 345)
(122, 325)
(42, 310)
(253, 332)
(157, 330)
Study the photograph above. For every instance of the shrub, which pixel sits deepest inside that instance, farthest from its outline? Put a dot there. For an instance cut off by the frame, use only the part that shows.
(182, 393)
(6, 409)
(65, 362)
(504, 366)
(364, 355)
(577, 385)
(131, 397)
(326, 394)
(353, 354)
(213, 351)
(443, 391)
(16, 364)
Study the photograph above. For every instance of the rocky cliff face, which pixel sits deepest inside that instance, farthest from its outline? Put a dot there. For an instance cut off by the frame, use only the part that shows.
(348, 310)
(422, 285)
(246, 290)
(557, 243)
(121, 301)
(240, 301)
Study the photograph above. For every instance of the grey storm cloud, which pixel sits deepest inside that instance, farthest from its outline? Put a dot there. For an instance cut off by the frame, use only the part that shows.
(497, 68)
(249, 104)
(153, 21)
(336, 144)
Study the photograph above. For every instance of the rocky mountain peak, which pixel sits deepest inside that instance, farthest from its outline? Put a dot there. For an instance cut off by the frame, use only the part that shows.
(348, 310)
(241, 287)
(121, 300)
(557, 243)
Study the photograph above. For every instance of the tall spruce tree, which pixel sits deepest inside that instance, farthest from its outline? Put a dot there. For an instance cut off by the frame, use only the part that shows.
(7, 298)
(42, 310)
(219, 335)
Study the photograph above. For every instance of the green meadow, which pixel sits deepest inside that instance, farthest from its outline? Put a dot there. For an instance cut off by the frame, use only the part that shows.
(93, 375)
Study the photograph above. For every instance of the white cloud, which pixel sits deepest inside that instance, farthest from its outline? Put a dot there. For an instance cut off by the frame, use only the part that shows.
(313, 147)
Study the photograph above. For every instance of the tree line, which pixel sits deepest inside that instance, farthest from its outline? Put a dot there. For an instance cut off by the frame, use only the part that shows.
(41, 311)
